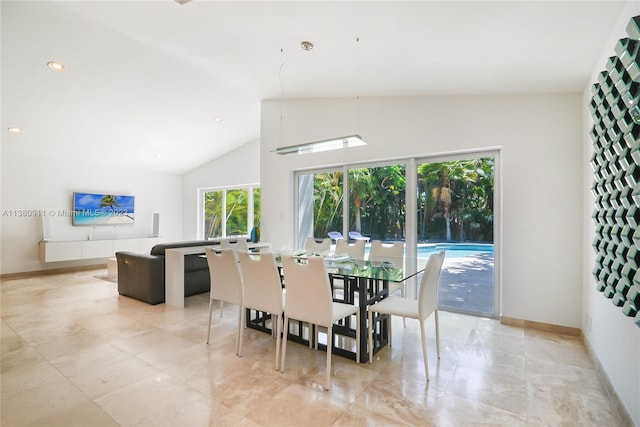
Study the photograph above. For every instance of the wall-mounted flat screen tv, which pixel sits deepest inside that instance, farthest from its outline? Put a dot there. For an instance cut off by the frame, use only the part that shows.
(102, 209)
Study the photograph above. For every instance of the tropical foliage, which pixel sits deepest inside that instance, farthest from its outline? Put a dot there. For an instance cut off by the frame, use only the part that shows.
(377, 201)
(236, 214)
(455, 201)
(213, 214)
(327, 203)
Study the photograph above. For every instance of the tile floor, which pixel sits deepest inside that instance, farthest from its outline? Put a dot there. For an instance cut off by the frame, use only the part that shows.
(75, 353)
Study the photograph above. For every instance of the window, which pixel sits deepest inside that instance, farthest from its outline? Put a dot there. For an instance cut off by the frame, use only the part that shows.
(229, 212)
(432, 203)
(377, 201)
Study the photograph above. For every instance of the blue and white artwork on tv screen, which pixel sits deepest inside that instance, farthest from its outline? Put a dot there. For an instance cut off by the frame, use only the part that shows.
(102, 209)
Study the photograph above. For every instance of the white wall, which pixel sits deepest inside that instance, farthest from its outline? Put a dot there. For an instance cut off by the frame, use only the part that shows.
(238, 167)
(541, 140)
(33, 182)
(613, 337)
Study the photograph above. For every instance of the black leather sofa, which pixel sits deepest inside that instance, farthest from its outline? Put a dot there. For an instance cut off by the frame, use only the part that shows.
(142, 276)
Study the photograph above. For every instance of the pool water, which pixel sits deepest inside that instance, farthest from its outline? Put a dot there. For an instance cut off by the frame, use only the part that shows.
(455, 250)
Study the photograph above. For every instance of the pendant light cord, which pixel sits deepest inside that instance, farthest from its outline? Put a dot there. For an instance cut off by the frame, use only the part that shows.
(282, 62)
(358, 85)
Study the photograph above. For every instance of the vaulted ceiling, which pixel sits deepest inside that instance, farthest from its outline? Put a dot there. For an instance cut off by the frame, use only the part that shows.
(145, 80)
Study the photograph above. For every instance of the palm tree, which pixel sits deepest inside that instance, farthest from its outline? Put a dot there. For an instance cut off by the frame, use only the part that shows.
(360, 185)
(110, 201)
(462, 189)
(327, 203)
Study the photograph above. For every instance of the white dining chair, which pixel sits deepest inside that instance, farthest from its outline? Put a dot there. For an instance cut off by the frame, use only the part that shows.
(420, 309)
(240, 245)
(309, 300)
(392, 252)
(226, 284)
(315, 246)
(388, 252)
(262, 291)
(354, 249)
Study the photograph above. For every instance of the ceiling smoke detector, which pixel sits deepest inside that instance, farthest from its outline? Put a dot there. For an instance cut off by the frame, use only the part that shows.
(182, 1)
(305, 45)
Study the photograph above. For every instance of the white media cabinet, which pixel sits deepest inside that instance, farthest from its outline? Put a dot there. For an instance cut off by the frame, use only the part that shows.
(65, 250)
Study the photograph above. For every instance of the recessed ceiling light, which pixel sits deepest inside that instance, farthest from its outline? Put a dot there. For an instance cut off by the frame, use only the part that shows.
(218, 119)
(56, 66)
(14, 130)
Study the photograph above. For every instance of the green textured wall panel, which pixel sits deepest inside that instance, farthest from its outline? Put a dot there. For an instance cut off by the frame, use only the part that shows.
(615, 109)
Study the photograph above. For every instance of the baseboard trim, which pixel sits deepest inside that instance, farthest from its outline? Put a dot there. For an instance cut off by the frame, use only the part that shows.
(37, 273)
(625, 417)
(549, 327)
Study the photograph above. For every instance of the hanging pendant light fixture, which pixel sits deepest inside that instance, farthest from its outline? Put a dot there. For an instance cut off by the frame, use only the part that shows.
(324, 145)
(338, 143)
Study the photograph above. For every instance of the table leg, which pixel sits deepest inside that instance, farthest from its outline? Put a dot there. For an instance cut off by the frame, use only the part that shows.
(174, 278)
(363, 301)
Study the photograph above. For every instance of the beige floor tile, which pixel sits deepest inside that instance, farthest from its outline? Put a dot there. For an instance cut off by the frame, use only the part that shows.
(75, 353)
(570, 352)
(357, 416)
(457, 411)
(81, 415)
(41, 400)
(102, 379)
(409, 400)
(298, 405)
(498, 389)
(562, 405)
(136, 402)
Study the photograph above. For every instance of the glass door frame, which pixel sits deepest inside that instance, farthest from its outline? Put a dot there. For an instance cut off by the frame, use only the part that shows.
(411, 206)
(497, 215)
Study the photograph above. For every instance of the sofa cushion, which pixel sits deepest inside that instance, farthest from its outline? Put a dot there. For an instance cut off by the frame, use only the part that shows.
(195, 262)
(161, 247)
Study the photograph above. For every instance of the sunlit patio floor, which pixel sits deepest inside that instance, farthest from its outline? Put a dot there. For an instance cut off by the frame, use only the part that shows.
(467, 284)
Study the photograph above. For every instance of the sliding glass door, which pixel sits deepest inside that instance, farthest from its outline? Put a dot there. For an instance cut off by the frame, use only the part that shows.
(432, 204)
(377, 201)
(320, 204)
(455, 213)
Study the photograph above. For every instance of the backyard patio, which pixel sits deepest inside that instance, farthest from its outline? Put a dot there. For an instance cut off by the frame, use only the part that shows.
(467, 284)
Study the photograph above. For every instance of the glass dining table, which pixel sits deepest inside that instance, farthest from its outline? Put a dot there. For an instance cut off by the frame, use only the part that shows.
(359, 282)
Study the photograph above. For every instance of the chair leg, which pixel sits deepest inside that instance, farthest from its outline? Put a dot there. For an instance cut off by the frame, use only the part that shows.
(423, 335)
(210, 312)
(370, 339)
(284, 343)
(278, 330)
(240, 332)
(329, 351)
(437, 334)
(273, 325)
(390, 327)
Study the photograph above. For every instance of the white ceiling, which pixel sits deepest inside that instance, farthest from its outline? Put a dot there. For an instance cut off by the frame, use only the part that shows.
(145, 79)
